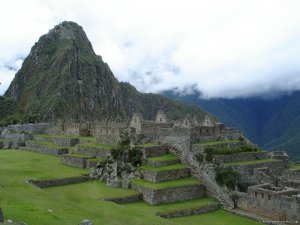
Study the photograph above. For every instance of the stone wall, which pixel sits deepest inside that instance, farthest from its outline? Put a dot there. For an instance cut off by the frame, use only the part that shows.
(39, 147)
(65, 142)
(29, 128)
(127, 199)
(17, 136)
(59, 182)
(239, 157)
(41, 138)
(270, 205)
(154, 151)
(181, 193)
(73, 160)
(92, 151)
(248, 174)
(292, 175)
(189, 212)
(165, 175)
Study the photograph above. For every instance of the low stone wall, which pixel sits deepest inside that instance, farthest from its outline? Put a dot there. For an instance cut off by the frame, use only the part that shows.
(161, 176)
(174, 194)
(124, 200)
(73, 160)
(280, 208)
(189, 212)
(162, 163)
(94, 152)
(17, 137)
(154, 151)
(292, 175)
(239, 157)
(8, 144)
(41, 138)
(39, 147)
(65, 142)
(94, 163)
(29, 128)
(58, 182)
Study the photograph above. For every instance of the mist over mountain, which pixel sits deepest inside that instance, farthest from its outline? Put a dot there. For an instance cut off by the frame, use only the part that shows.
(273, 122)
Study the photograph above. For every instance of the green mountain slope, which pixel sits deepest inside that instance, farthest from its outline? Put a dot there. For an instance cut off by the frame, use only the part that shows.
(63, 78)
(274, 124)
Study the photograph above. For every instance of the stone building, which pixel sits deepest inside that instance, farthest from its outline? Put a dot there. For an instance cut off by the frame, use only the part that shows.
(110, 133)
(276, 203)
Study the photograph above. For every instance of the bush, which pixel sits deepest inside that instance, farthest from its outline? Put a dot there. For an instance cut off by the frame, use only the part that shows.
(125, 153)
(227, 176)
(209, 156)
(199, 157)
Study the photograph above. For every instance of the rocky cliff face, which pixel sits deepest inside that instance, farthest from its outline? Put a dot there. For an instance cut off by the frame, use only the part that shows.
(63, 78)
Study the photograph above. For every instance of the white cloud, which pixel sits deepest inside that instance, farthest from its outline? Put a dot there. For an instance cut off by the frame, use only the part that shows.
(223, 48)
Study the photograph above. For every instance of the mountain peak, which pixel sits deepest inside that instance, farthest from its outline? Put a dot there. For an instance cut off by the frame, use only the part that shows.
(63, 78)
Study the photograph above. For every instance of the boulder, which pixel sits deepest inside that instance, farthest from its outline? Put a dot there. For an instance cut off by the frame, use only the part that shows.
(85, 222)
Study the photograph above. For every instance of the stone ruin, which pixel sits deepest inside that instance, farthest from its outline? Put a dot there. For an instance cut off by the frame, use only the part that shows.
(267, 200)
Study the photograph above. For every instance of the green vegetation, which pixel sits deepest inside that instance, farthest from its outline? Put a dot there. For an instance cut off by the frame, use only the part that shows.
(230, 150)
(167, 157)
(12, 113)
(164, 168)
(147, 145)
(88, 138)
(123, 152)
(98, 160)
(166, 184)
(207, 143)
(250, 162)
(227, 176)
(294, 166)
(79, 155)
(23, 202)
(100, 146)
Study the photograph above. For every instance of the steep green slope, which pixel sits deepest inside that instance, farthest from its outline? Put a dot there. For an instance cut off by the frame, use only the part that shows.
(63, 78)
(274, 124)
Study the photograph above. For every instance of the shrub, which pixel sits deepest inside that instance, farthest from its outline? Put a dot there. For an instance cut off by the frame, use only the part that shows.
(125, 153)
(199, 157)
(227, 176)
(209, 156)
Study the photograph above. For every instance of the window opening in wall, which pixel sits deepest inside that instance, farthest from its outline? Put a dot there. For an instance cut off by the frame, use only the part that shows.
(269, 197)
(262, 195)
(255, 193)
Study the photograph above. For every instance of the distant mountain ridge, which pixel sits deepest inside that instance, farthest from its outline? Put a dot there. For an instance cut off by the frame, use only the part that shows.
(63, 78)
(274, 124)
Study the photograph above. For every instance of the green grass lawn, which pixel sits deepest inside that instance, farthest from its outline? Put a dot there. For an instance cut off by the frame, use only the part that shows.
(164, 168)
(206, 143)
(72, 203)
(167, 157)
(251, 162)
(294, 166)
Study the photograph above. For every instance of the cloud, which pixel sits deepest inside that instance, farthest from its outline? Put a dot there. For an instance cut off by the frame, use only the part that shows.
(221, 48)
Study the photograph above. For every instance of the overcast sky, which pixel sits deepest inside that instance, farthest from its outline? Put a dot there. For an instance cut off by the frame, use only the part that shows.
(223, 48)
